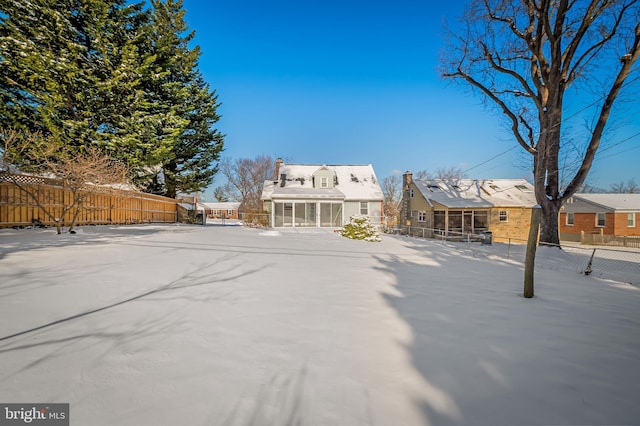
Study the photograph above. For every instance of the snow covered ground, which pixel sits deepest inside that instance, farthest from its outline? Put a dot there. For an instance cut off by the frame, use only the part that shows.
(189, 325)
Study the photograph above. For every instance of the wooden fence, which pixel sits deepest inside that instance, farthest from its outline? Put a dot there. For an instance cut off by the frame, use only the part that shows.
(100, 206)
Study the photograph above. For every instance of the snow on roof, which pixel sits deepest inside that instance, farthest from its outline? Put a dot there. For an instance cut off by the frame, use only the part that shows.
(478, 193)
(187, 206)
(612, 201)
(352, 182)
(228, 205)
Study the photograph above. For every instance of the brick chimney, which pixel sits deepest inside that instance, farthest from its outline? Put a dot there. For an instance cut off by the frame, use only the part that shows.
(278, 162)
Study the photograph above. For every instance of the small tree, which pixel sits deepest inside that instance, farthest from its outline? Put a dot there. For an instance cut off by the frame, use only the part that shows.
(392, 190)
(245, 178)
(80, 174)
(451, 173)
(360, 228)
(631, 187)
(220, 195)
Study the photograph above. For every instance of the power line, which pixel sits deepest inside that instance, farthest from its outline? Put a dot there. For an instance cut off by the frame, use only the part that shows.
(491, 159)
(619, 143)
(556, 125)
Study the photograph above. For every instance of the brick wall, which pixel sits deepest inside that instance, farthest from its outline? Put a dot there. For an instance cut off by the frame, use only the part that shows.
(615, 224)
(516, 227)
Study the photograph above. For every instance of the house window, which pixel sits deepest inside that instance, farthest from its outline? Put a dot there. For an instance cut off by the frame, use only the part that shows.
(364, 207)
(600, 219)
(631, 220)
(503, 216)
(422, 216)
(230, 212)
(570, 219)
(324, 182)
(411, 193)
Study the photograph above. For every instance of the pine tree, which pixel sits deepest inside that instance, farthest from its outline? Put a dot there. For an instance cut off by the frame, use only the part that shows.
(184, 103)
(112, 76)
(72, 70)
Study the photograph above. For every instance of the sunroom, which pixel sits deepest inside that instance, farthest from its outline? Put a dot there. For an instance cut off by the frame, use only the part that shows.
(307, 213)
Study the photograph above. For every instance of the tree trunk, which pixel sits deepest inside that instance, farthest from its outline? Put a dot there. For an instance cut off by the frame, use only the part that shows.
(170, 184)
(549, 232)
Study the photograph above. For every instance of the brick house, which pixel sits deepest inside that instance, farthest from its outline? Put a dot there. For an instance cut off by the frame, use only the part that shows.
(468, 206)
(220, 210)
(600, 214)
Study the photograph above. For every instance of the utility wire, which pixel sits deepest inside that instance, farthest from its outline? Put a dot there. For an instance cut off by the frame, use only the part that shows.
(564, 120)
(492, 158)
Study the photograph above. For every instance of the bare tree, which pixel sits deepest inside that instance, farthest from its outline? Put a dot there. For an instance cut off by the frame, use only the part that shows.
(392, 190)
(79, 174)
(450, 173)
(631, 187)
(618, 188)
(523, 56)
(245, 178)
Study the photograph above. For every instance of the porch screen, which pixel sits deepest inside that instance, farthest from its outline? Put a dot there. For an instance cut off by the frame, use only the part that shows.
(305, 214)
(331, 214)
(283, 214)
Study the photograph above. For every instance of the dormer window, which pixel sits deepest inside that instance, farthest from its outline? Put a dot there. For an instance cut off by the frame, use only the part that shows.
(324, 178)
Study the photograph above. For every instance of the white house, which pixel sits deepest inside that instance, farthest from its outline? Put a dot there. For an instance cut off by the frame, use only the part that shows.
(313, 195)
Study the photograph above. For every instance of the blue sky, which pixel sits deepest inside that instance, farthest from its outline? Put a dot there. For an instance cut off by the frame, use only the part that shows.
(355, 82)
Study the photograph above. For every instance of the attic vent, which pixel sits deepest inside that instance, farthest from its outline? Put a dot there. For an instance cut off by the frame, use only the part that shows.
(494, 187)
(456, 187)
(434, 188)
(354, 178)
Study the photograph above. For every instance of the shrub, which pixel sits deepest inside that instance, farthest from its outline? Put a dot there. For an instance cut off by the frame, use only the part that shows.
(360, 228)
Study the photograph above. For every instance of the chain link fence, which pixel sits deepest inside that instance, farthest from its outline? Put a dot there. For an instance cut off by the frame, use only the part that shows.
(617, 264)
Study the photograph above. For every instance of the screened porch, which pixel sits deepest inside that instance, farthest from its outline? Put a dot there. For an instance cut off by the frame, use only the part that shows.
(307, 214)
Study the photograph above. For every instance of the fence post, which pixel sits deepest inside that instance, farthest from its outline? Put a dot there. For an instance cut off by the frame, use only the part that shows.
(530, 257)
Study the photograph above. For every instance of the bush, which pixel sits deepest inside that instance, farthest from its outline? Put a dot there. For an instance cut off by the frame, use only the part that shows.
(360, 228)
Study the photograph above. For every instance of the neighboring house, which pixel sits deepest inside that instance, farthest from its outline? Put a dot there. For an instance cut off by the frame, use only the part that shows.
(307, 195)
(220, 210)
(600, 214)
(467, 206)
(188, 199)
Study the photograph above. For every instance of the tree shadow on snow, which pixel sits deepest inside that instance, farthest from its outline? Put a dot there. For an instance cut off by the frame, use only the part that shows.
(20, 240)
(486, 354)
(210, 276)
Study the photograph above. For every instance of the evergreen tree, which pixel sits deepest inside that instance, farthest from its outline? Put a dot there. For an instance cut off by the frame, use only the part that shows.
(360, 228)
(179, 94)
(112, 76)
(72, 70)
